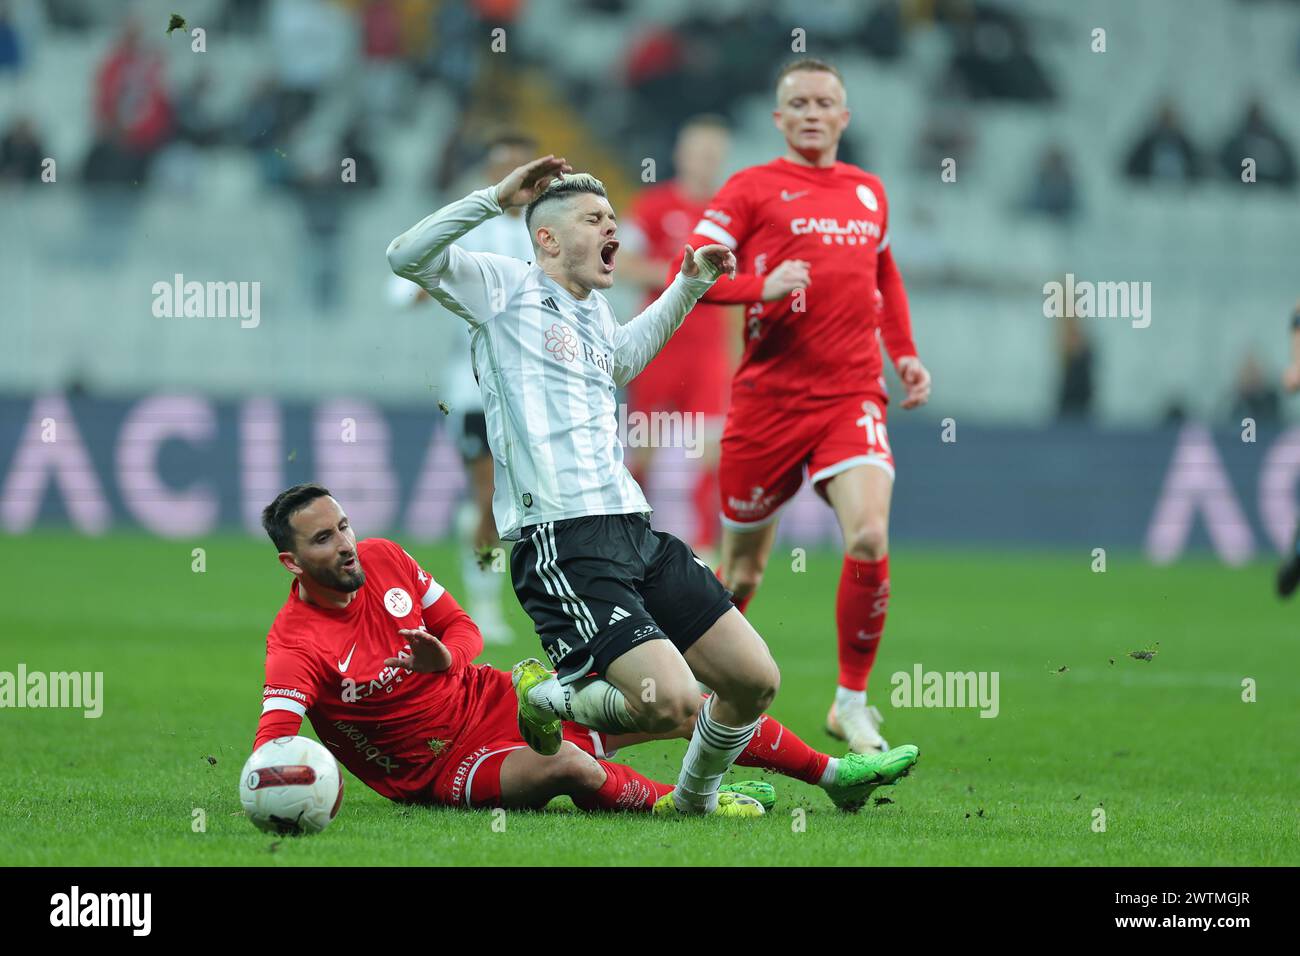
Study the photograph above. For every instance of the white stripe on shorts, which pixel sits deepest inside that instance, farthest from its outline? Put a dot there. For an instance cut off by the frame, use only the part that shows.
(564, 582)
(557, 586)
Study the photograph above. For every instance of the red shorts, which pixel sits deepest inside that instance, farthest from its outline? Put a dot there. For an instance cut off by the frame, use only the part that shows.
(766, 449)
(471, 773)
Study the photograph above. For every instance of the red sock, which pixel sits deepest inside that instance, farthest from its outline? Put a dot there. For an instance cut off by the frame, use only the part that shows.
(740, 602)
(704, 499)
(860, 609)
(623, 789)
(777, 747)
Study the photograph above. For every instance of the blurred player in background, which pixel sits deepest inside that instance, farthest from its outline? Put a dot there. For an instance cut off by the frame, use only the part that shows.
(506, 236)
(692, 374)
(1288, 575)
(811, 236)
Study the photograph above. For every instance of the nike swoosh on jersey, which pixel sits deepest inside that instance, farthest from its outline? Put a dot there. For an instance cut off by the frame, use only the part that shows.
(343, 664)
(786, 197)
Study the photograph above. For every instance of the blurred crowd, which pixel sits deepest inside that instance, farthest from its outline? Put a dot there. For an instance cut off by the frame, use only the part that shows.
(383, 52)
(377, 51)
(340, 73)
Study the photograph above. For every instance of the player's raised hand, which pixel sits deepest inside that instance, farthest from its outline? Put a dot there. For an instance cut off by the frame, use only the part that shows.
(527, 182)
(786, 278)
(709, 261)
(916, 379)
(428, 655)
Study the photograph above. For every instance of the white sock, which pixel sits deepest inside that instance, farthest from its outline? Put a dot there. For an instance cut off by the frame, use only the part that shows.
(846, 699)
(600, 705)
(714, 747)
(593, 703)
(830, 773)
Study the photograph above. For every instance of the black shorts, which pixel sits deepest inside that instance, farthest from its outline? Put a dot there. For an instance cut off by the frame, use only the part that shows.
(471, 436)
(597, 586)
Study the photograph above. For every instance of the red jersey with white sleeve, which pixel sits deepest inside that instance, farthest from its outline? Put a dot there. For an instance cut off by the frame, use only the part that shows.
(823, 345)
(387, 725)
(693, 370)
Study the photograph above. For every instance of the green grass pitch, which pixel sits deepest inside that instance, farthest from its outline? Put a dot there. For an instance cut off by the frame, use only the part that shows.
(1185, 771)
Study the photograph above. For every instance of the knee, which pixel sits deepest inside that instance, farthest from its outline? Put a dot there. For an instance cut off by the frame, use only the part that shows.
(668, 710)
(753, 686)
(764, 684)
(572, 769)
(868, 540)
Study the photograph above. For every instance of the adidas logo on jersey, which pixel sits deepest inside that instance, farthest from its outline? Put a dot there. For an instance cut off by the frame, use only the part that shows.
(618, 615)
(549, 303)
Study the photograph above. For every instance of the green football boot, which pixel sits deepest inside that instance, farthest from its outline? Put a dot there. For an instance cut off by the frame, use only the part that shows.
(760, 790)
(538, 725)
(730, 804)
(858, 775)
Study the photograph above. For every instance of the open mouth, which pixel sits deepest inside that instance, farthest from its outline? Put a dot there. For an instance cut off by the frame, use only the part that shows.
(350, 564)
(607, 252)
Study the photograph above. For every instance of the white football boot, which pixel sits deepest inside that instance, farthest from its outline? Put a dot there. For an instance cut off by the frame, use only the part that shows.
(859, 724)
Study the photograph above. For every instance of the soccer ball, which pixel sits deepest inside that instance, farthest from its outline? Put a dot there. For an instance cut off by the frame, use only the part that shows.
(291, 785)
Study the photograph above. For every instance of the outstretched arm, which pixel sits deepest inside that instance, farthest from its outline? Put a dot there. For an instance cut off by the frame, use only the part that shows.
(636, 343)
(744, 288)
(449, 640)
(277, 723)
(425, 255)
(731, 219)
(464, 281)
(291, 687)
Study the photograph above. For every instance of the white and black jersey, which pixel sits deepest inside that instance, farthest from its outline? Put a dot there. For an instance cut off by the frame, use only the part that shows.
(547, 364)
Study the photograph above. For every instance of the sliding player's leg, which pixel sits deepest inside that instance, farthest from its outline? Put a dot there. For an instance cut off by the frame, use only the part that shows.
(854, 471)
(527, 779)
(520, 778)
(849, 780)
(492, 766)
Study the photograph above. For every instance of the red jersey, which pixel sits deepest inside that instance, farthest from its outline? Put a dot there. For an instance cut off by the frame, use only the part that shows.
(837, 219)
(665, 216)
(387, 725)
